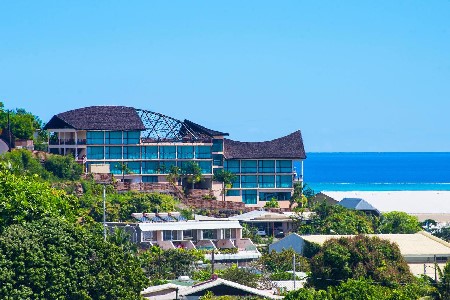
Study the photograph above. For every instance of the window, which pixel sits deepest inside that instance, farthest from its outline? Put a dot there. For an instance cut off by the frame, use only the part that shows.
(236, 182)
(152, 179)
(232, 165)
(115, 168)
(209, 234)
(284, 166)
(217, 159)
(149, 152)
(264, 196)
(248, 166)
(134, 167)
(188, 234)
(150, 167)
(217, 146)
(131, 152)
(113, 137)
(249, 196)
(233, 193)
(205, 166)
(249, 181)
(95, 153)
(164, 166)
(284, 181)
(95, 138)
(266, 166)
(167, 152)
(266, 181)
(113, 152)
(185, 152)
(203, 152)
(170, 235)
(131, 137)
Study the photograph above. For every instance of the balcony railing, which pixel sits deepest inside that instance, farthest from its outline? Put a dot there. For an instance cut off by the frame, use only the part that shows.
(68, 142)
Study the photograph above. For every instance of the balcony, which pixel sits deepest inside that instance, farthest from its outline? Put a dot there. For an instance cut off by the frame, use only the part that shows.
(67, 142)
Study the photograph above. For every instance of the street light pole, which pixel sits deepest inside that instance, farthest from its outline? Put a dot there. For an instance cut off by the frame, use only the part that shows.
(104, 212)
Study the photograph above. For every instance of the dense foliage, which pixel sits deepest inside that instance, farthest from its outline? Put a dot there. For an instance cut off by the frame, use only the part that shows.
(25, 198)
(283, 261)
(22, 123)
(53, 259)
(399, 222)
(358, 257)
(64, 167)
(169, 264)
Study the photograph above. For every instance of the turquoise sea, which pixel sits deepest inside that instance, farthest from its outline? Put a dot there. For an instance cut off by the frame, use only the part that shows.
(377, 171)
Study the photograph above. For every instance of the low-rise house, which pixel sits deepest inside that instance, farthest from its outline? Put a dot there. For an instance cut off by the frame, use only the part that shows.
(421, 250)
(171, 230)
(218, 286)
(359, 205)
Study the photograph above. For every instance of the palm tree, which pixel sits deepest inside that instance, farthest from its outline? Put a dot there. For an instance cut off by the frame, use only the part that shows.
(124, 169)
(226, 178)
(193, 173)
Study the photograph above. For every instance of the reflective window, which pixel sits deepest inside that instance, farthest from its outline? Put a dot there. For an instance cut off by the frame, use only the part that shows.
(236, 182)
(265, 196)
(131, 152)
(206, 167)
(203, 152)
(266, 181)
(233, 193)
(95, 138)
(131, 137)
(249, 197)
(284, 181)
(217, 159)
(164, 166)
(185, 152)
(232, 166)
(249, 181)
(113, 137)
(113, 152)
(284, 166)
(217, 146)
(149, 152)
(115, 168)
(167, 152)
(150, 167)
(152, 179)
(248, 166)
(95, 153)
(134, 167)
(266, 166)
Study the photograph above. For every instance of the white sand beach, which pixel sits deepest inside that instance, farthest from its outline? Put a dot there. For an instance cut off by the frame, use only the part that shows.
(420, 203)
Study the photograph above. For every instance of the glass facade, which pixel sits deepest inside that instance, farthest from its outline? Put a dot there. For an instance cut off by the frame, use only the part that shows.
(164, 166)
(152, 179)
(248, 166)
(266, 181)
(149, 152)
(131, 137)
(217, 145)
(266, 196)
(284, 181)
(113, 137)
(131, 152)
(167, 152)
(284, 166)
(217, 159)
(233, 166)
(94, 152)
(203, 152)
(134, 167)
(150, 167)
(115, 168)
(266, 166)
(206, 167)
(249, 196)
(249, 181)
(185, 152)
(95, 138)
(113, 152)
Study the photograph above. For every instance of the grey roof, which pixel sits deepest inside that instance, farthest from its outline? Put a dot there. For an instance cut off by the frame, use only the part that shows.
(204, 130)
(98, 118)
(358, 204)
(287, 147)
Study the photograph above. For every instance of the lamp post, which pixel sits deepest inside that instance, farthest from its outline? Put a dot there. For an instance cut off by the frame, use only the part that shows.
(104, 212)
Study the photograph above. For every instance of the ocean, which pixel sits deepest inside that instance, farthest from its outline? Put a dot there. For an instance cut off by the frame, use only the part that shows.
(377, 171)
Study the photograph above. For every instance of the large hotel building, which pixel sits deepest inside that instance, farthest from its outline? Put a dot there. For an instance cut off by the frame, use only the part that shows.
(149, 143)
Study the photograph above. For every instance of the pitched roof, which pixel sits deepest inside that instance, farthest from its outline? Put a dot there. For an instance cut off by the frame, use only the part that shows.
(98, 118)
(357, 204)
(230, 286)
(287, 147)
(200, 128)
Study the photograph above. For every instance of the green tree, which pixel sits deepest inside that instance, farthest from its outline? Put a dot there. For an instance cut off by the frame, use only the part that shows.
(52, 259)
(124, 169)
(272, 203)
(335, 219)
(63, 167)
(25, 198)
(399, 222)
(192, 172)
(23, 124)
(358, 257)
(22, 162)
(444, 282)
(240, 275)
(174, 174)
(275, 262)
(226, 178)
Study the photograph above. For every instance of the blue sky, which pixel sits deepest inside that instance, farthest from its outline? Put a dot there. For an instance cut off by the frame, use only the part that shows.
(352, 75)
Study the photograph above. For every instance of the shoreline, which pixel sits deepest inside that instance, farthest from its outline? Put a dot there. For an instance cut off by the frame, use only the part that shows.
(412, 202)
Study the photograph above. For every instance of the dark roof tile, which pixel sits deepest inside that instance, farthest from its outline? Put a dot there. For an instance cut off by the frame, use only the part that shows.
(287, 147)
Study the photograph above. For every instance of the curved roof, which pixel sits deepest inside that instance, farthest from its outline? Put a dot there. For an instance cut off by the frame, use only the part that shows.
(98, 118)
(287, 147)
